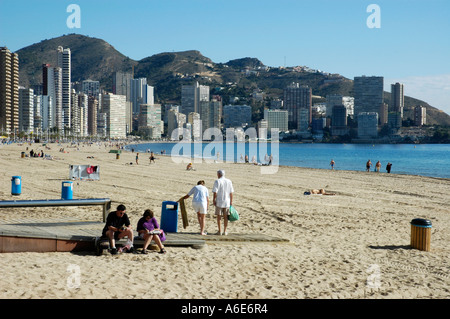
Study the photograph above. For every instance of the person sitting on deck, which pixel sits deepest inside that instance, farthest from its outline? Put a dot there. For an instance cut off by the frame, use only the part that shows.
(148, 229)
(117, 227)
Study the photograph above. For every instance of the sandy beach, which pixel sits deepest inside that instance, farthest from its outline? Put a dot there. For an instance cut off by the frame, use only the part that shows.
(352, 245)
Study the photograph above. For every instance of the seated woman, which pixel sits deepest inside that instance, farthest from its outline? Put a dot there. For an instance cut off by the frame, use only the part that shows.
(148, 229)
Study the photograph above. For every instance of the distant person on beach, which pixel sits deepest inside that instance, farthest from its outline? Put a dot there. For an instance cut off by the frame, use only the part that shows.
(222, 200)
(332, 164)
(246, 158)
(200, 203)
(378, 166)
(152, 157)
(388, 167)
(148, 230)
(318, 192)
(189, 167)
(117, 227)
(368, 165)
(137, 158)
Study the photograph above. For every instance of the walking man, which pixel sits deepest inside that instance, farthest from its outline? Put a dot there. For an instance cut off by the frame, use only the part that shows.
(222, 200)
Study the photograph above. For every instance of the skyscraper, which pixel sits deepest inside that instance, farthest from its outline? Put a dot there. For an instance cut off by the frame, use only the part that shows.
(191, 96)
(296, 98)
(114, 108)
(141, 93)
(369, 94)
(26, 110)
(64, 62)
(52, 86)
(397, 98)
(9, 91)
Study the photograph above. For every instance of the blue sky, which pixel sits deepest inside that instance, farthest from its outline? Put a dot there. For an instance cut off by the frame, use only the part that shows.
(411, 46)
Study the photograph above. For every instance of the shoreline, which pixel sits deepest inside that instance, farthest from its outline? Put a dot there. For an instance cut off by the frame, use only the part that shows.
(333, 240)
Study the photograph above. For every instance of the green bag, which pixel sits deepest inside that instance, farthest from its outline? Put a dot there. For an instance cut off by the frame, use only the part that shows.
(233, 216)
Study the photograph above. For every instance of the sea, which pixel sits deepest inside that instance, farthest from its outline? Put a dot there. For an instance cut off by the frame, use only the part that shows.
(431, 160)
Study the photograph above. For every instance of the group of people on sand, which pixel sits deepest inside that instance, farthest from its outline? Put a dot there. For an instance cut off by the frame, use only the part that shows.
(378, 166)
(222, 201)
(118, 224)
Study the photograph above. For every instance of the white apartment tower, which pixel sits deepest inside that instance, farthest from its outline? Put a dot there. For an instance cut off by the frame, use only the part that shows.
(114, 108)
(26, 110)
(64, 62)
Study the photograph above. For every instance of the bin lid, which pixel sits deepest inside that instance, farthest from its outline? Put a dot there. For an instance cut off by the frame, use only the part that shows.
(421, 222)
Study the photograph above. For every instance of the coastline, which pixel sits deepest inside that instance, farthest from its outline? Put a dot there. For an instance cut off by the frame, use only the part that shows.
(333, 240)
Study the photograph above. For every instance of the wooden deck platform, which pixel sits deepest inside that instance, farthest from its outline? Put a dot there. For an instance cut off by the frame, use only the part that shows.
(69, 234)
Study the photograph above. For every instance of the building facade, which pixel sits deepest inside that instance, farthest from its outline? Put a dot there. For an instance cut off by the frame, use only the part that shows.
(369, 94)
(9, 91)
(298, 103)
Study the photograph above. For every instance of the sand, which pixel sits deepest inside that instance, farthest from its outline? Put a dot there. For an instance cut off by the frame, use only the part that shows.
(352, 245)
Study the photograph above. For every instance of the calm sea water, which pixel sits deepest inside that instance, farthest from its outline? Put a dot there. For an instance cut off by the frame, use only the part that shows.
(418, 159)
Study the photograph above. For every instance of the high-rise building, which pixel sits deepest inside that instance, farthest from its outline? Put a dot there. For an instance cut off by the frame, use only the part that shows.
(420, 115)
(175, 120)
(26, 110)
(47, 112)
(397, 98)
(276, 119)
(296, 98)
(367, 125)
(150, 120)
(237, 116)
(9, 91)
(191, 96)
(64, 62)
(114, 108)
(92, 115)
(90, 88)
(339, 120)
(337, 99)
(141, 93)
(122, 84)
(37, 114)
(369, 93)
(52, 86)
(196, 126)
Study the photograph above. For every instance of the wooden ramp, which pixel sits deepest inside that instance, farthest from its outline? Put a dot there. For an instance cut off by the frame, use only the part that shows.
(69, 234)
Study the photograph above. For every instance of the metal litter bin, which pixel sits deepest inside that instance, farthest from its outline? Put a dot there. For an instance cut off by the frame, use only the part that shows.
(67, 190)
(16, 185)
(169, 217)
(421, 234)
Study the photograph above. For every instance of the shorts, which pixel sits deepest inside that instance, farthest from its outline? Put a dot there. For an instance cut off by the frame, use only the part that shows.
(200, 207)
(222, 211)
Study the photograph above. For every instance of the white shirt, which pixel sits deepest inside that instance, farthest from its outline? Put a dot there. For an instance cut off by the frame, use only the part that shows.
(200, 193)
(223, 187)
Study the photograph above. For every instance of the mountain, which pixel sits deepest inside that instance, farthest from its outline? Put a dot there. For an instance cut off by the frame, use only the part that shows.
(92, 58)
(96, 59)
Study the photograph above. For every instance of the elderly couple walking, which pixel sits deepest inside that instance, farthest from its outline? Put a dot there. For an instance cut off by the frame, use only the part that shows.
(222, 200)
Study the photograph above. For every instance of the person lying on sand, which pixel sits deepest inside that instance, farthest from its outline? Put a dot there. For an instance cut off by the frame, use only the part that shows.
(318, 192)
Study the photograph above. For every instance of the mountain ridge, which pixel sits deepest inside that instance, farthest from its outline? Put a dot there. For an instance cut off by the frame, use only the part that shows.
(96, 59)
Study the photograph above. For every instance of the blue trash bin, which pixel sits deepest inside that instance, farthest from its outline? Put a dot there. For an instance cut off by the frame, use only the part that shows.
(169, 217)
(67, 190)
(16, 185)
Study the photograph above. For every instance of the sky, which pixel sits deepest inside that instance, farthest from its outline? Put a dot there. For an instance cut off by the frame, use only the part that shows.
(406, 41)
